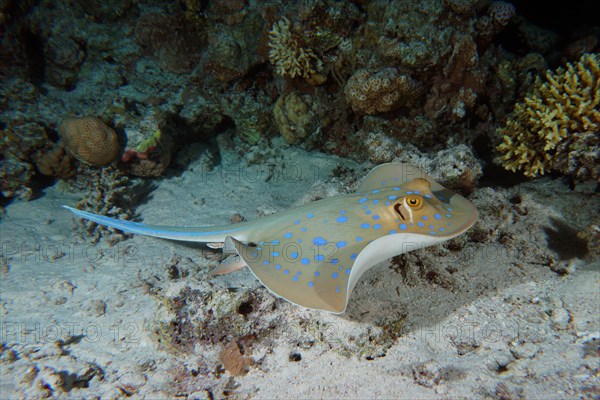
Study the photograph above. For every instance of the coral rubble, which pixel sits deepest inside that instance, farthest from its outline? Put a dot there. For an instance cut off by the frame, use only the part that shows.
(557, 126)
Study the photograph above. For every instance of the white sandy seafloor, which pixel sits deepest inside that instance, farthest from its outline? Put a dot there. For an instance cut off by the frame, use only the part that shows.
(510, 312)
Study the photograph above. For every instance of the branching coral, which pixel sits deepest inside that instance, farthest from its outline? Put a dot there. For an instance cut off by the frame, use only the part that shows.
(289, 53)
(557, 126)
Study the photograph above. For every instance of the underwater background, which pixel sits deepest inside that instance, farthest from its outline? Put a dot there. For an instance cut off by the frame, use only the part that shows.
(201, 112)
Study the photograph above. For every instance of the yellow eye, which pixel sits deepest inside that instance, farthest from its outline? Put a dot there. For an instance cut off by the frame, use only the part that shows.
(414, 202)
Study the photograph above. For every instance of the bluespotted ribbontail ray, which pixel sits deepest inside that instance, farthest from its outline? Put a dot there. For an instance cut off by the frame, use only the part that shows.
(314, 255)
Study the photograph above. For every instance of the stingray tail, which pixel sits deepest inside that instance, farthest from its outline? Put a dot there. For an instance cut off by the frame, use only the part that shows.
(204, 234)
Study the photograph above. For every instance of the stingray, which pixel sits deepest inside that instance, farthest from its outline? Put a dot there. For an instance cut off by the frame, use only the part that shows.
(314, 255)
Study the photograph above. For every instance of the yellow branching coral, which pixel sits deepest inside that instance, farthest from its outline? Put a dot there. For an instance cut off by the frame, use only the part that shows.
(557, 126)
(289, 53)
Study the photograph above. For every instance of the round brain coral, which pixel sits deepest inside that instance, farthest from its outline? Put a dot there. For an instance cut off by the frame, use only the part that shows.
(90, 140)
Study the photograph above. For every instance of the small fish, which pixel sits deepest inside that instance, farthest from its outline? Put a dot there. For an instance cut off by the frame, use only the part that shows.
(314, 255)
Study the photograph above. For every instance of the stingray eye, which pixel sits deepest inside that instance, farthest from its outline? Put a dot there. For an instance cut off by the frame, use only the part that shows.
(414, 202)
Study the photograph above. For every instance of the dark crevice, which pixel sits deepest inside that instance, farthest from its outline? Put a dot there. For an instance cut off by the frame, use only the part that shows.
(36, 61)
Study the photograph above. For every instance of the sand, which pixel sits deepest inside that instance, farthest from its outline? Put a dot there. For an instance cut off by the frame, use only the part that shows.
(510, 310)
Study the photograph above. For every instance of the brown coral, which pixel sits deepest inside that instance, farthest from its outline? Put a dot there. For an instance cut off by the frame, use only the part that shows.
(90, 140)
(557, 126)
(55, 162)
(501, 12)
(380, 91)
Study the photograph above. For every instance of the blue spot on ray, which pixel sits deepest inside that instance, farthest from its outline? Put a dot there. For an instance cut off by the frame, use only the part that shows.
(288, 235)
(365, 225)
(341, 244)
(341, 219)
(319, 241)
(362, 200)
(305, 261)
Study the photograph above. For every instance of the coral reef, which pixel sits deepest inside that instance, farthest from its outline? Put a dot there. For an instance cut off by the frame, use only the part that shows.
(380, 91)
(65, 56)
(294, 118)
(313, 43)
(16, 179)
(90, 140)
(290, 55)
(168, 39)
(235, 47)
(250, 114)
(556, 127)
